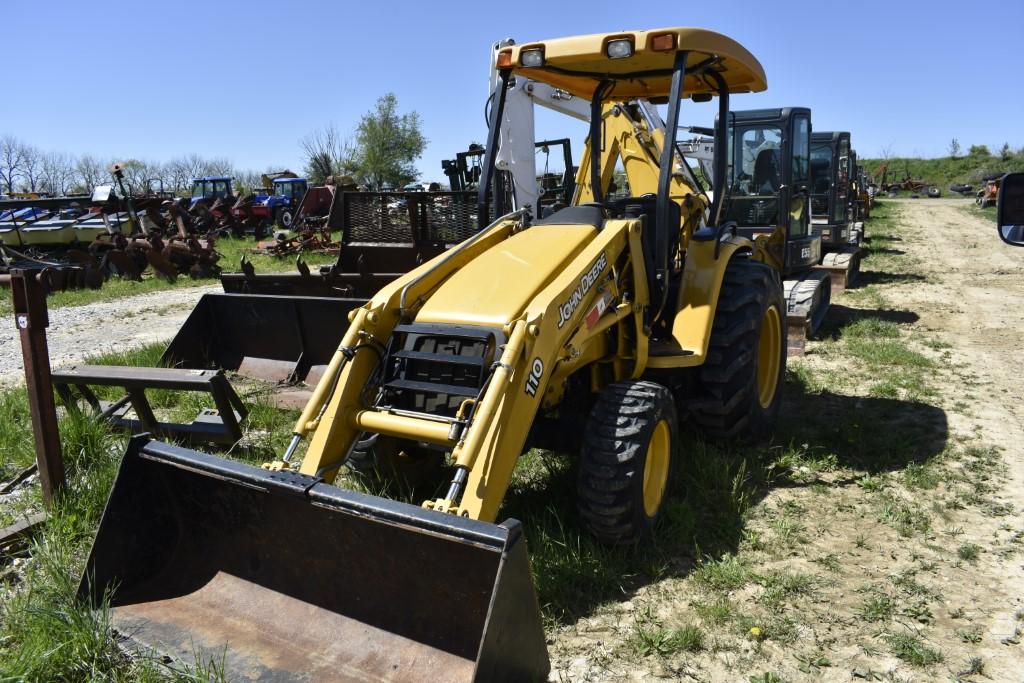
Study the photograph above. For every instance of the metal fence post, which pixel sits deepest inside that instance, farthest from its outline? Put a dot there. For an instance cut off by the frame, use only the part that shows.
(32, 320)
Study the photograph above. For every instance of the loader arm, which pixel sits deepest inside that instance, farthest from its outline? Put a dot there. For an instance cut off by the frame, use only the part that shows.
(629, 140)
(486, 449)
(343, 382)
(553, 317)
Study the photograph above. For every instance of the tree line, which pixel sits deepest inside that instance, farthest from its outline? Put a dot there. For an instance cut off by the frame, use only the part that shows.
(27, 168)
(381, 152)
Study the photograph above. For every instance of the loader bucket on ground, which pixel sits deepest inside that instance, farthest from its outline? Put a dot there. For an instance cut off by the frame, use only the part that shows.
(283, 577)
(274, 338)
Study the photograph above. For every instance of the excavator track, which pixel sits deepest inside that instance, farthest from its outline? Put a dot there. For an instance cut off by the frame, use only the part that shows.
(807, 301)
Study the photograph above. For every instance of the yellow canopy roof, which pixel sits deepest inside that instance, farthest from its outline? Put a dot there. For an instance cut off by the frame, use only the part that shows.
(577, 64)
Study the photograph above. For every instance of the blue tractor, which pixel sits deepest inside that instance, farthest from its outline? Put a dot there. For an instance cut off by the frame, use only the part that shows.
(212, 188)
(279, 204)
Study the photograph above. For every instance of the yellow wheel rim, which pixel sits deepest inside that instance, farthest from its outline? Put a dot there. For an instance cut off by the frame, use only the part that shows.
(769, 349)
(656, 468)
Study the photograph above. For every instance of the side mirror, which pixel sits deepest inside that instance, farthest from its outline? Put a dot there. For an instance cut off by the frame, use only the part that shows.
(1010, 214)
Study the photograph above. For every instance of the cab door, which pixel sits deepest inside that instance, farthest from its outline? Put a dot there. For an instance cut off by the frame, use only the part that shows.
(803, 249)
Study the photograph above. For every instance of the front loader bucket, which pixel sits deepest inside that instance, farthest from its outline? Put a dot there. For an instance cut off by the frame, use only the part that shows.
(283, 577)
(273, 338)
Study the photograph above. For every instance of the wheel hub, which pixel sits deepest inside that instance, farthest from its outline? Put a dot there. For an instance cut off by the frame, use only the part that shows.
(656, 467)
(768, 351)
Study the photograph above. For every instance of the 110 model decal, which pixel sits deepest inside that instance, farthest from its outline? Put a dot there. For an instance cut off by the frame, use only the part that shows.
(533, 379)
(566, 309)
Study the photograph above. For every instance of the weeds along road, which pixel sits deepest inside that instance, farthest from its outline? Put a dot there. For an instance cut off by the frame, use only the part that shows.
(76, 332)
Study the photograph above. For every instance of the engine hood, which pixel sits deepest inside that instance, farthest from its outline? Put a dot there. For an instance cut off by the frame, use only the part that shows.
(495, 287)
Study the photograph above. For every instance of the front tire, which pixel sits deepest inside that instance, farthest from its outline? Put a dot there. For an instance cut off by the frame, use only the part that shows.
(740, 384)
(629, 446)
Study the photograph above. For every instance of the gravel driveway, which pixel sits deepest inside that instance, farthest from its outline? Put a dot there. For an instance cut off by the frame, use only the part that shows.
(79, 331)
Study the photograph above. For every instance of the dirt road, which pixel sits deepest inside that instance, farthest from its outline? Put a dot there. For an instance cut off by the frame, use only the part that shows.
(79, 331)
(972, 300)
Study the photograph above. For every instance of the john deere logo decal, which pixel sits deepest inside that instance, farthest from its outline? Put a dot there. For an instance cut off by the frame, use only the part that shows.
(566, 310)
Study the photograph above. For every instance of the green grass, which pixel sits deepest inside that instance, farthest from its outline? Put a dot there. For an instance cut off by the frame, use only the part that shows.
(877, 608)
(781, 586)
(724, 574)
(906, 518)
(658, 640)
(717, 612)
(912, 649)
(942, 171)
(871, 328)
(921, 476)
(988, 213)
(969, 552)
(877, 353)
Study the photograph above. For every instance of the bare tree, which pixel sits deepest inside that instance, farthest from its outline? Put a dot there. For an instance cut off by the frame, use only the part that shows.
(58, 173)
(248, 181)
(181, 171)
(327, 153)
(218, 166)
(31, 167)
(11, 159)
(90, 172)
(954, 148)
(886, 152)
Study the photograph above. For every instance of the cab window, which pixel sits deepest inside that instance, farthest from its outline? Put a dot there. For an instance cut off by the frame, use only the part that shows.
(754, 175)
(801, 150)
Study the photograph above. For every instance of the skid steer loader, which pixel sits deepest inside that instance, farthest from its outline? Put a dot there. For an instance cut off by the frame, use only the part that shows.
(610, 317)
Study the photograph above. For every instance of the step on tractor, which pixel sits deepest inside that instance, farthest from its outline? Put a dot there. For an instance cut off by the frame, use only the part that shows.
(830, 207)
(608, 319)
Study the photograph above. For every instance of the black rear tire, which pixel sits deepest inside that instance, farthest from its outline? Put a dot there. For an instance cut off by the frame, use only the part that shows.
(728, 401)
(624, 456)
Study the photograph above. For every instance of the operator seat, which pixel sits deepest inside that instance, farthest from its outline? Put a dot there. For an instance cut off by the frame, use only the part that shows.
(766, 172)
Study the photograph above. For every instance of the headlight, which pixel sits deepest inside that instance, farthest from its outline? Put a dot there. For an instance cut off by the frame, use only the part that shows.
(532, 58)
(619, 49)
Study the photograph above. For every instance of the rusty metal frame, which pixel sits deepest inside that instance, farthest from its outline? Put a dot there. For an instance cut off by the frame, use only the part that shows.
(222, 426)
(32, 319)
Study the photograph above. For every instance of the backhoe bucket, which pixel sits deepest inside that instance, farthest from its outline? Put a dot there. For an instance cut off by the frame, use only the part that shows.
(283, 577)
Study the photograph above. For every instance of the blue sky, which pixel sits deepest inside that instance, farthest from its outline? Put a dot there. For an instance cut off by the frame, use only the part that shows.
(246, 80)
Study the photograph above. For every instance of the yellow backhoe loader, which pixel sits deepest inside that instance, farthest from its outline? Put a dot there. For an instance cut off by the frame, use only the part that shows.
(607, 319)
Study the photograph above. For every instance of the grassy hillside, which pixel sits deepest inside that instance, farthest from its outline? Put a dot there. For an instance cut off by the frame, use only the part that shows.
(941, 171)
